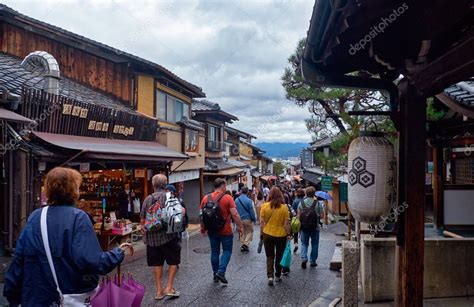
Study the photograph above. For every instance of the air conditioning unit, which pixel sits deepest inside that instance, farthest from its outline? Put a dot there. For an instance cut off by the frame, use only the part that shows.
(235, 150)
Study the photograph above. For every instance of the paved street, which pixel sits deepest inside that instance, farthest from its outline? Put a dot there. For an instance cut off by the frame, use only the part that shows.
(247, 278)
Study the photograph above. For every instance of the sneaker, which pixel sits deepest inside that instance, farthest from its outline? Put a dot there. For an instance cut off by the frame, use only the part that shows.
(221, 278)
(313, 264)
(277, 279)
(303, 264)
(295, 249)
(245, 248)
(215, 278)
(270, 281)
(285, 271)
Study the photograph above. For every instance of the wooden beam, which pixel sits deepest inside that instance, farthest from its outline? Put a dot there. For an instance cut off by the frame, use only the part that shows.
(410, 238)
(438, 202)
(454, 66)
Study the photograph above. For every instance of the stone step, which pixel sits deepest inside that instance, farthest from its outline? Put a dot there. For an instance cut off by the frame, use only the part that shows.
(336, 261)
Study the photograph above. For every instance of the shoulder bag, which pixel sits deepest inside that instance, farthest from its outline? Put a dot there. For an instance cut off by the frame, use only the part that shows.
(73, 300)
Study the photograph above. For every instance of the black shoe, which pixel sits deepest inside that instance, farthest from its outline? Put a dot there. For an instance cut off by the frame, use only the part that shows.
(314, 264)
(221, 278)
(303, 264)
(215, 278)
(295, 249)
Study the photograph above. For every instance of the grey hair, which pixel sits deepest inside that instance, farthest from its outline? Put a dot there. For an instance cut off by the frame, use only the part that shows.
(159, 181)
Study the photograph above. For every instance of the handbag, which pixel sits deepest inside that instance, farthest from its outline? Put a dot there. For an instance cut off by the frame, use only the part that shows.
(67, 300)
(286, 259)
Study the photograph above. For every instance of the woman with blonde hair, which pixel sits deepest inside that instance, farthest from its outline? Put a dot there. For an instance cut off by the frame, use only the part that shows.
(274, 220)
(58, 258)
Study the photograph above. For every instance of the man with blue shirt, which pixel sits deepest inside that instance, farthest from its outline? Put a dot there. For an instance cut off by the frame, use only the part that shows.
(246, 211)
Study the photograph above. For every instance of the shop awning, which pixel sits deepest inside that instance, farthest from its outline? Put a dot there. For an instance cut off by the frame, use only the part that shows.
(10, 116)
(111, 149)
(226, 172)
(311, 177)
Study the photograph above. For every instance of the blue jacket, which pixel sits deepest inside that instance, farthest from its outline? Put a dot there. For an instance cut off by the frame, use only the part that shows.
(77, 256)
(245, 208)
(296, 204)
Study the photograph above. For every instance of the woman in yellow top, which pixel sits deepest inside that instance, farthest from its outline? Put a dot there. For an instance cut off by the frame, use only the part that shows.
(274, 217)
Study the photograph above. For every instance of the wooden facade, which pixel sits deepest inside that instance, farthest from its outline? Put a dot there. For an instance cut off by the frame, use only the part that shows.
(81, 66)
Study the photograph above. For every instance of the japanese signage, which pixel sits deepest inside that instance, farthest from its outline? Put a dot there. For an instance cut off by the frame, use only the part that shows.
(326, 183)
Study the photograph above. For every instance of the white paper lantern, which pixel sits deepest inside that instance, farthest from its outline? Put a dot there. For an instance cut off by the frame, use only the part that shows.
(371, 176)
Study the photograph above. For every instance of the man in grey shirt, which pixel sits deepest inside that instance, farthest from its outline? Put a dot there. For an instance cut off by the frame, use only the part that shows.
(161, 246)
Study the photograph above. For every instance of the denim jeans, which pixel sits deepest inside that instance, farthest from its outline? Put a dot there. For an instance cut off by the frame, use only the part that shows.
(305, 237)
(219, 262)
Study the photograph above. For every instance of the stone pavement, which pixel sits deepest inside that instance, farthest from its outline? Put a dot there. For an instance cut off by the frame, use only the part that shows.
(246, 274)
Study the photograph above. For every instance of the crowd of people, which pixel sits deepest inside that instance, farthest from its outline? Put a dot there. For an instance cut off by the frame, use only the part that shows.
(48, 274)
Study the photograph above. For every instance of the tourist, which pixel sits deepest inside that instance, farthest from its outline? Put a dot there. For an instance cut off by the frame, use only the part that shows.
(310, 212)
(161, 246)
(274, 220)
(258, 205)
(266, 191)
(299, 197)
(245, 207)
(77, 257)
(217, 224)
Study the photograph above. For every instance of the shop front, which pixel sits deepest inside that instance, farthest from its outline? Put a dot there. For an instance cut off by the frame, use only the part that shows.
(116, 178)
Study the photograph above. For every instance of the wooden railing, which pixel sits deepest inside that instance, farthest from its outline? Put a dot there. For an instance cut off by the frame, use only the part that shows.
(215, 146)
(63, 115)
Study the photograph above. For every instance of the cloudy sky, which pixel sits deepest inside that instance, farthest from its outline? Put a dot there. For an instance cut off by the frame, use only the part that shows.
(235, 50)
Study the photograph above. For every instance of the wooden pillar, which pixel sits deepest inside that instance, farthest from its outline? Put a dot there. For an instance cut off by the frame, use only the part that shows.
(410, 238)
(438, 202)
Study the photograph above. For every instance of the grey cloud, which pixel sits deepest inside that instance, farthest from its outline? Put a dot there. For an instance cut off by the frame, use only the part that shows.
(235, 50)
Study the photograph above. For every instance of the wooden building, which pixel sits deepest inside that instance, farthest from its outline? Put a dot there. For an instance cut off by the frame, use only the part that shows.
(125, 112)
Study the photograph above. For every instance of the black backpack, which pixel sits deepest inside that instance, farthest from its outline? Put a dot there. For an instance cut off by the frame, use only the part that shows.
(211, 214)
(309, 219)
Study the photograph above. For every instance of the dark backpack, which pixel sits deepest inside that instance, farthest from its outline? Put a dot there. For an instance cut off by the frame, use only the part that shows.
(309, 218)
(211, 214)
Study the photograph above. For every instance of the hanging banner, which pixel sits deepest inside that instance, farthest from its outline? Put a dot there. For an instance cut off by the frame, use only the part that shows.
(343, 192)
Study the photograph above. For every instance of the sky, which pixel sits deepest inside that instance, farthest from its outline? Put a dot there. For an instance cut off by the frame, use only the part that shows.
(235, 51)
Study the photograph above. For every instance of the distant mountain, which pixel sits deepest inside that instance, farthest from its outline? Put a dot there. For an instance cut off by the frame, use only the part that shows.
(282, 150)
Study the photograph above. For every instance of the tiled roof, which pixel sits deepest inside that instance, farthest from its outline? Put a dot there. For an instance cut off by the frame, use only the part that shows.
(238, 163)
(322, 143)
(462, 92)
(13, 77)
(116, 52)
(239, 132)
(205, 105)
(217, 165)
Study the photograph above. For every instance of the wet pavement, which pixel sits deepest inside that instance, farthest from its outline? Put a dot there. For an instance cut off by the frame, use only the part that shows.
(246, 275)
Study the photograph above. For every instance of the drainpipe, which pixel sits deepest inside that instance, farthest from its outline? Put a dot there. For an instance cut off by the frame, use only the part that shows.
(46, 64)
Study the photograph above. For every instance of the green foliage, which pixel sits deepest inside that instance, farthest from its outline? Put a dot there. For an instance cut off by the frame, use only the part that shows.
(433, 112)
(278, 168)
(329, 107)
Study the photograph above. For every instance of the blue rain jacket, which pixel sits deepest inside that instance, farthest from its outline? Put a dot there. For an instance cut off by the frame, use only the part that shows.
(77, 256)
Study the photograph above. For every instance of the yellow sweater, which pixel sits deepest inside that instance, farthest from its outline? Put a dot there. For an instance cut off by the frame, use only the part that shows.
(274, 222)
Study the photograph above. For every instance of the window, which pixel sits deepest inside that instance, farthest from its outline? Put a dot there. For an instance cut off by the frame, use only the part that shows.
(170, 108)
(161, 105)
(214, 133)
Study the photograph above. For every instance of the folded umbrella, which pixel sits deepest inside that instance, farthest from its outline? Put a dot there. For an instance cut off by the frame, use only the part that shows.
(112, 294)
(134, 287)
(323, 195)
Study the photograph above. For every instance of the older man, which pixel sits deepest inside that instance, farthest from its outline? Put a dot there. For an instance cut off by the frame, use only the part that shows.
(160, 246)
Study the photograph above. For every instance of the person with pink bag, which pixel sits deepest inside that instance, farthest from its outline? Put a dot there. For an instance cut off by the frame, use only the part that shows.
(58, 258)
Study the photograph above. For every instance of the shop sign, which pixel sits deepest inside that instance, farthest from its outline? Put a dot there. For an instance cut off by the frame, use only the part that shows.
(183, 176)
(84, 167)
(92, 125)
(98, 126)
(343, 192)
(326, 183)
(84, 112)
(67, 109)
(140, 173)
(76, 111)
